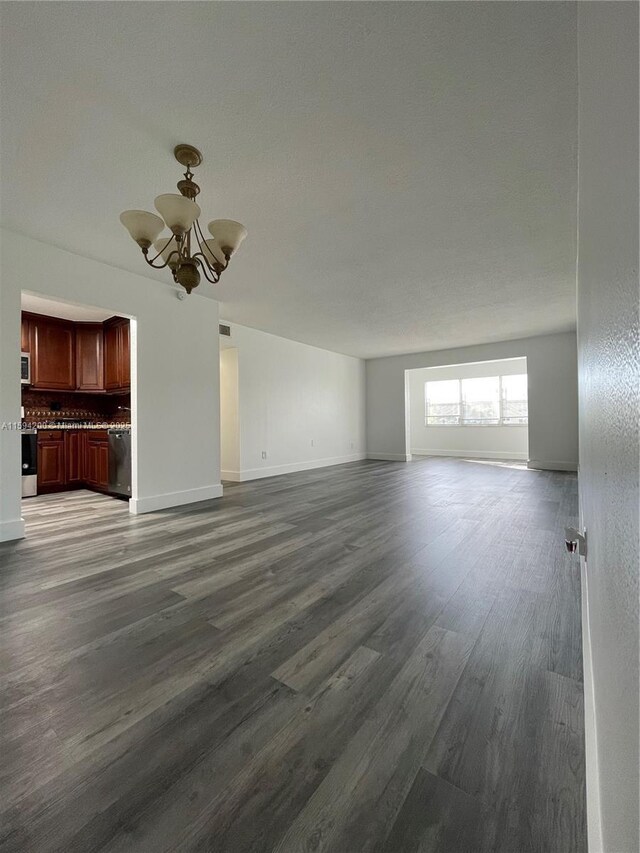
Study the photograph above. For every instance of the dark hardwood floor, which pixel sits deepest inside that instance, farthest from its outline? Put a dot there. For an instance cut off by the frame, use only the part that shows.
(372, 657)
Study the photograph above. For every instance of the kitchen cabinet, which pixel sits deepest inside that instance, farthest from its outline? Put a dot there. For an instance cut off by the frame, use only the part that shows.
(74, 457)
(117, 346)
(70, 459)
(125, 355)
(52, 473)
(96, 459)
(52, 347)
(25, 332)
(89, 357)
(67, 356)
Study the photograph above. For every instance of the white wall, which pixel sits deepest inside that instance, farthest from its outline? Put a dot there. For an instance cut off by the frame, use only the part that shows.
(175, 394)
(302, 406)
(609, 352)
(553, 396)
(488, 442)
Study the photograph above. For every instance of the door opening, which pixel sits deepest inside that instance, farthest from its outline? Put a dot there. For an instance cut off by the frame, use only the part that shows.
(77, 416)
(229, 414)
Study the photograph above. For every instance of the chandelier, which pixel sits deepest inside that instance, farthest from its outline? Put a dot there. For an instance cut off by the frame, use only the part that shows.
(185, 251)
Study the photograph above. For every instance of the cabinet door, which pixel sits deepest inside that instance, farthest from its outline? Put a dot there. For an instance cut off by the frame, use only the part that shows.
(111, 359)
(125, 355)
(97, 464)
(73, 456)
(103, 465)
(82, 455)
(89, 357)
(51, 465)
(116, 355)
(25, 334)
(52, 354)
(91, 463)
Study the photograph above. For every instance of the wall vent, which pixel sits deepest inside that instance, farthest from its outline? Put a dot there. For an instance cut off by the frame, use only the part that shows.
(225, 330)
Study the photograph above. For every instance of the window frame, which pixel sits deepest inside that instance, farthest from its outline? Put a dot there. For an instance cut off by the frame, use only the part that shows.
(461, 422)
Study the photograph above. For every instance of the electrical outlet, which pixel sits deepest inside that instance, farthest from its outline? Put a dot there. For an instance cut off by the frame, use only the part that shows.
(264, 454)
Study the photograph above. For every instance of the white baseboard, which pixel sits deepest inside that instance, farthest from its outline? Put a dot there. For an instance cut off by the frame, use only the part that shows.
(544, 465)
(10, 530)
(289, 468)
(155, 502)
(390, 457)
(471, 454)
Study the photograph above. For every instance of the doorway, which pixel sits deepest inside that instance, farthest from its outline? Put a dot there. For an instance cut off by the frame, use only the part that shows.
(77, 416)
(229, 414)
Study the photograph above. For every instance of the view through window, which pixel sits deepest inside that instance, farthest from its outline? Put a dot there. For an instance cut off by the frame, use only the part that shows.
(482, 401)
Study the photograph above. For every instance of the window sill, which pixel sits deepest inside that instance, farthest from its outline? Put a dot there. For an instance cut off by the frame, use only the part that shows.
(482, 426)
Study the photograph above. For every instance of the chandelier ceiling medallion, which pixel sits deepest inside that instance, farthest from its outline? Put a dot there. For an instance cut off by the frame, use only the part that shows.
(185, 251)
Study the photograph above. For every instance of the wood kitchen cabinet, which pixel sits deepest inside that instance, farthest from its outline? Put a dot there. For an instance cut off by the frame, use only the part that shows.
(52, 347)
(89, 357)
(117, 346)
(52, 474)
(74, 457)
(96, 459)
(70, 459)
(68, 356)
(25, 334)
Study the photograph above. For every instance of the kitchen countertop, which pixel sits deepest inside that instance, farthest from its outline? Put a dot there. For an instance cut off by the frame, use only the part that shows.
(83, 425)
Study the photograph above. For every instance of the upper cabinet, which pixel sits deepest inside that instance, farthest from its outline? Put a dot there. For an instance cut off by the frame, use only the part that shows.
(52, 353)
(68, 356)
(117, 372)
(89, 357)
(25, 334)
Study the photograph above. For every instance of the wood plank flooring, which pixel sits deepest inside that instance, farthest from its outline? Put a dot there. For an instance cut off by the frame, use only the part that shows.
(372, 657)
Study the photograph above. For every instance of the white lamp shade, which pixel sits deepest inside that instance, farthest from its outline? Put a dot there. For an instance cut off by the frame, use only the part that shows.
(228, 233)
(165, 249)
(143, 226)
(177, 211)
(212, 251)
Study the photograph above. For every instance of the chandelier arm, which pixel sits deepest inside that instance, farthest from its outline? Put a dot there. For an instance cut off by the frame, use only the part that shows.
(214, 278)
(161, 266)
(199, 234)
(155, 258)
(202, 240)
(163, 248)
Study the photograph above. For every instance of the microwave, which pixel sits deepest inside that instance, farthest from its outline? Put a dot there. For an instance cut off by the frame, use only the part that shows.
(25, 368)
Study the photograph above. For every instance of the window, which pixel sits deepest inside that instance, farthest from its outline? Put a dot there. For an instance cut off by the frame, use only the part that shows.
(484, 401)
(481, 401)
(514, 399)
(442, 401)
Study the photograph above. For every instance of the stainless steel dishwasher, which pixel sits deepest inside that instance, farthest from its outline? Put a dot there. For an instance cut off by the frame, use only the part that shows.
(120, 461)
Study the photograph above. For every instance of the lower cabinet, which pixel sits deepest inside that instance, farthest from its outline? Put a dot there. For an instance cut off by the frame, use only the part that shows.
(52, 475)
(71, 459)
(73, 451)
(96, 460)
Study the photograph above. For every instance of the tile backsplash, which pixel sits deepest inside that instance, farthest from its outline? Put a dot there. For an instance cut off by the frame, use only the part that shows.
(56, 405)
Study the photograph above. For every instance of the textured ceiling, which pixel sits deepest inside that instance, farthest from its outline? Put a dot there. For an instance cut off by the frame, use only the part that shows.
(407, 171)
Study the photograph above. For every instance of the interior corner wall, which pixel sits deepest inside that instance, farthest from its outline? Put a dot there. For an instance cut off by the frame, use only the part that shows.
(484, 442)
(609, 367)
(301, 406)
(175, 373)
(553, 396)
